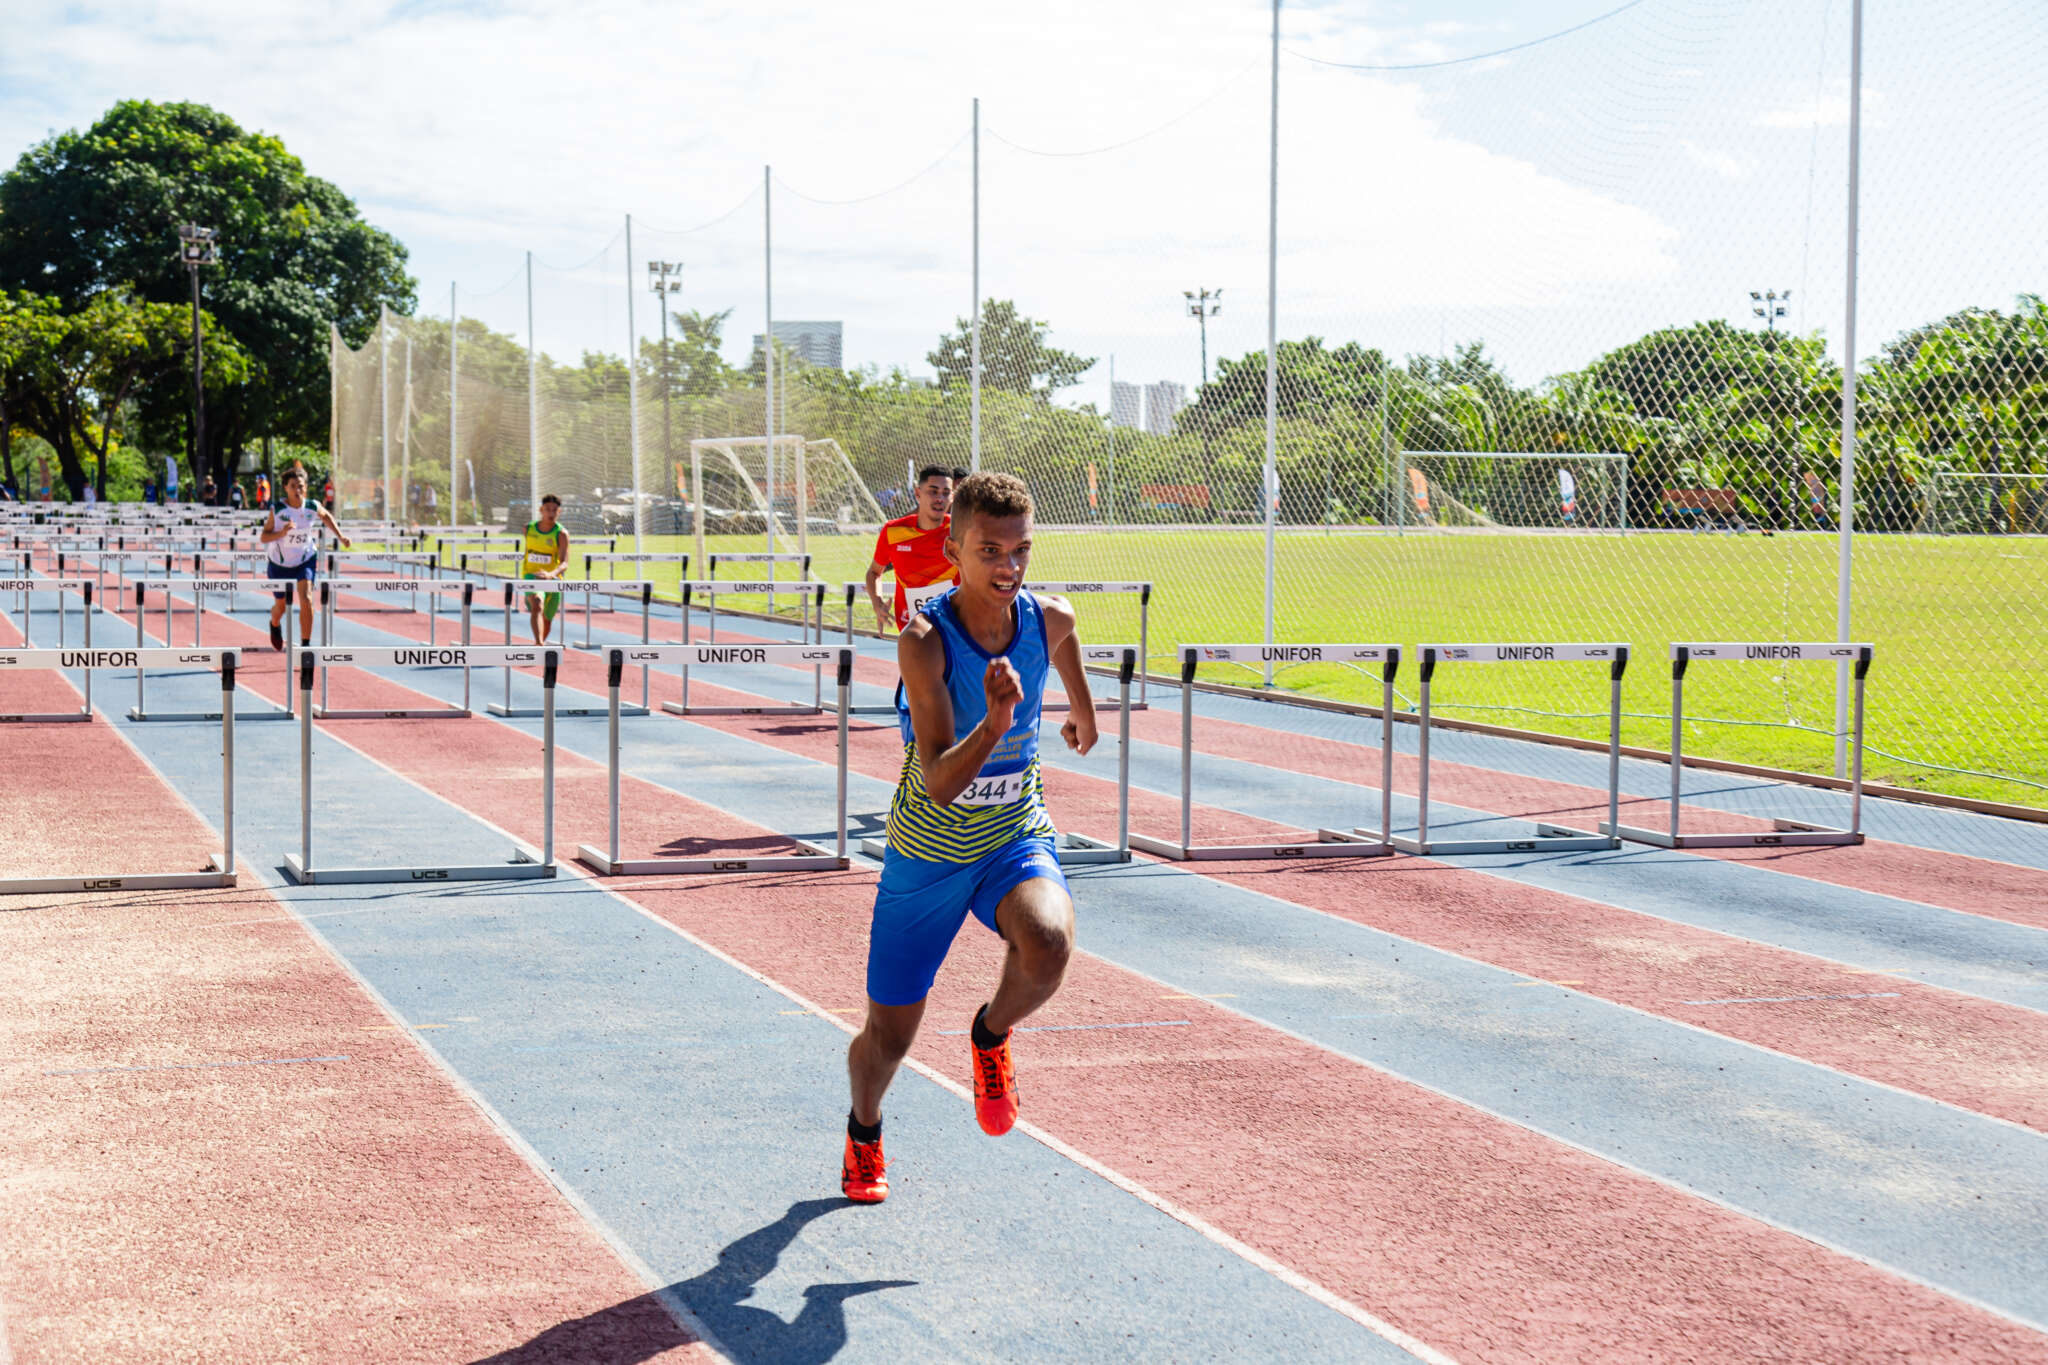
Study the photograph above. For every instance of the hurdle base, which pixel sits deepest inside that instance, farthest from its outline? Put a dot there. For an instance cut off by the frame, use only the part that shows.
(535, 713)
(525, 865)
(815, 857)
(240, 716)
(47, 718)
(1547, 839)
(1330, 843)
(1789, 834)
(440, 713)
(676, 708)
(212, 878)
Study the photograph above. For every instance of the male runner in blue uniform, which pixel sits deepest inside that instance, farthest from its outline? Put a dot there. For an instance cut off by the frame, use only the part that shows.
(968, 831)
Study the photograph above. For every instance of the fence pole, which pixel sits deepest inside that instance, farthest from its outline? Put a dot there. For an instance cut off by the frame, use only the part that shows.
(454, 485)
(1845, 518)
(383, 405)
(1272, 479)
(532, 408)
(633, 389)
(974, 317)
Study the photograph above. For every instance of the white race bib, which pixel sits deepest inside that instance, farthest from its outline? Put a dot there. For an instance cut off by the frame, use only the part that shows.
(1003, 789)
(913, 598)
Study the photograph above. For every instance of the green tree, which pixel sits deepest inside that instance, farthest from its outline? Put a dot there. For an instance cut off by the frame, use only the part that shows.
(1014, 355)
(83, 213)
(80, 368)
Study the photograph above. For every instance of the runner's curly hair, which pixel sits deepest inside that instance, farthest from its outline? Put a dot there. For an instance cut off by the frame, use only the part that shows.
(988, 495)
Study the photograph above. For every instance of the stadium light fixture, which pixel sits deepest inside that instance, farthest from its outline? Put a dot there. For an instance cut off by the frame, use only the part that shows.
(1770, 306)
(663, 279)
(197, 246)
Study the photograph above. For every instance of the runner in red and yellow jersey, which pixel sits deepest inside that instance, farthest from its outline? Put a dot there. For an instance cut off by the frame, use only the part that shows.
(912, 548)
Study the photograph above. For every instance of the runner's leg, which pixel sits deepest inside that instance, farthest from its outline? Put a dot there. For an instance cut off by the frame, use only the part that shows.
(1036, 920)
(305, 612)
(875, 1053)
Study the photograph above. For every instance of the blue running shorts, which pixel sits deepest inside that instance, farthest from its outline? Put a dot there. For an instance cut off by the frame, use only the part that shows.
(920, 906)
(291, 573)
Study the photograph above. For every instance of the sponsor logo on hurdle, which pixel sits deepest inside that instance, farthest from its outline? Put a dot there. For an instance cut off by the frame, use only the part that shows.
(99, 658)
(827, 654)
(730, 865)
(425, 657)
(1221, 655)
(102, 884)
(430, 874)
(736, 655)
(1290, 654)
(1772, 651)
(195, 658)
(1512, 653)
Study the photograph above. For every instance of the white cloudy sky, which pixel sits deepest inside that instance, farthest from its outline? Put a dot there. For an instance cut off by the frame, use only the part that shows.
(1556, 201)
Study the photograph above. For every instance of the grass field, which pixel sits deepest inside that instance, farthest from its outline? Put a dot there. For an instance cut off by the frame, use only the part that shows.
(1960, 625)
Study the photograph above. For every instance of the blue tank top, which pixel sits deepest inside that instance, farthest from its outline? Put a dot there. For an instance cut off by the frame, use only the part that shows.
(1006, 800)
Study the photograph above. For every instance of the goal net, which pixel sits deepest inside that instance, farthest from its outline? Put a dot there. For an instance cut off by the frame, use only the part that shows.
(1969, 504)
(1493, 489)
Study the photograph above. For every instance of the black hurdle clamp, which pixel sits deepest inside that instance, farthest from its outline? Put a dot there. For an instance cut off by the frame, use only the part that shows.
(615, 667)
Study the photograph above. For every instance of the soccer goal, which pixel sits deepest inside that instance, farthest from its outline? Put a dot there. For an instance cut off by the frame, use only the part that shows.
(795, 488)
(1510, 490)
(1959, 504)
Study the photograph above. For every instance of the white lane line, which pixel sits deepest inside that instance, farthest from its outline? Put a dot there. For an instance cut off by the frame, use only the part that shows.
(1794, 999)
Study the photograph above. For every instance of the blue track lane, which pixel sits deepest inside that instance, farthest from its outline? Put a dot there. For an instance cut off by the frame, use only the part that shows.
(702, 1123)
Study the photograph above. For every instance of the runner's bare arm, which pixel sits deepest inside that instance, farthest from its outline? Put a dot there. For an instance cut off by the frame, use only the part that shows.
(885, 616)
(333, 526)
(1063, 638)
(563, 567)
(950, 767)
(271, 531)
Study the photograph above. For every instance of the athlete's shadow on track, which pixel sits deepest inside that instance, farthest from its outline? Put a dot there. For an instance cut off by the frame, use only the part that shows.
(640, 1328)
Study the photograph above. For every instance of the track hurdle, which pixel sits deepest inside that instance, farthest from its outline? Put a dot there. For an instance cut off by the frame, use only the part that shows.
(519, 587)
(1330, 843)
(198, 589)
(1784, 832)
(437, 588)
(814, 856)
(221, 865)
(26, 586)
(525, 863)
(811, 627)
(1548, 838)
(1080, 849)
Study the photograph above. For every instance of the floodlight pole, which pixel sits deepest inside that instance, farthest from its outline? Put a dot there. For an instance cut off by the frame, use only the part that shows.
(974, 319)
(663, 279)
(1202, 305)
(1845, 517)
(1111, 518)
(1272, 480)
(196, 247)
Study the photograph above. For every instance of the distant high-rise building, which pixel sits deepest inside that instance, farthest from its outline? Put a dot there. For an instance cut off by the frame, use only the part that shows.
(815, 343)
(1126, 405)
(1162, 402)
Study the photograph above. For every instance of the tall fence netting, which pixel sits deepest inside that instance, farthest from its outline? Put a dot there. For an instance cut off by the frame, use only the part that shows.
(1560, 358)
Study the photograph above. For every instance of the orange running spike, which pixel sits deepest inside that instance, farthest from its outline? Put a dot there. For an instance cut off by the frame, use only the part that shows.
(995, 1088)
(864, 1175)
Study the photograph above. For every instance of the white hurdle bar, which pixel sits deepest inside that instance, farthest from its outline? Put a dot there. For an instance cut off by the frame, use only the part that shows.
(1548, 838)
(26, 586)
(1330, 843)
(1079, 849)
(607, 859)
(198, 589)
(811, 626)
(520, 587)
(220, 866)
(1784, 832)
(434, 587)
(525, 863)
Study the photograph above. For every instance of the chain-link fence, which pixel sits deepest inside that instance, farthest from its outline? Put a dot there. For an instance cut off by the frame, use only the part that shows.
(1560, 357)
